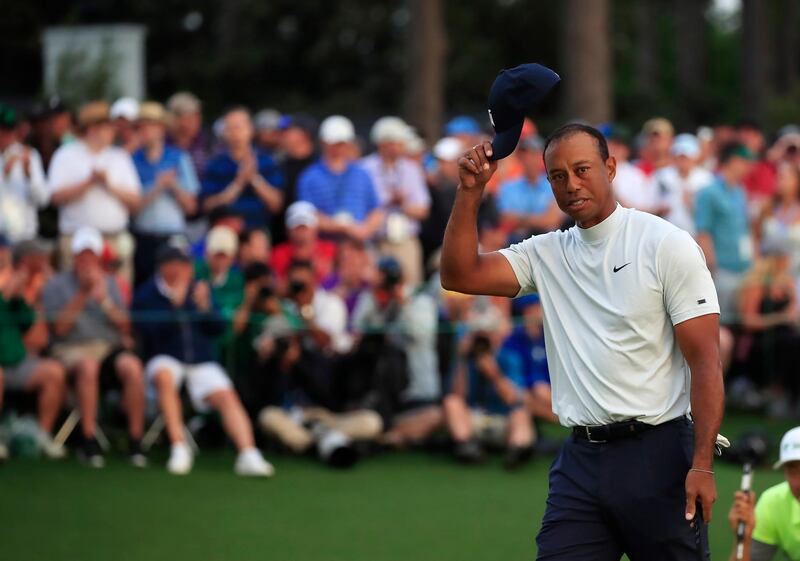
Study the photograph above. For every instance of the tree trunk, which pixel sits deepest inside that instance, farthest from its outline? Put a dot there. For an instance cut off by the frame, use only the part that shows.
(787, 45)
(756, 67)
(587, 60)
(690, 51)
(427, 48)
(645, 15)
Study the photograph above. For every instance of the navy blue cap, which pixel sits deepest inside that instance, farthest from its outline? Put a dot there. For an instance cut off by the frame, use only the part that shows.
(514, 93)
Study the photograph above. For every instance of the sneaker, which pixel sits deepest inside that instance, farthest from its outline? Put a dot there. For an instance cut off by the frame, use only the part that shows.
(136, 455)
(50, 448)
(180, 459)
(91, 453)
(469, 452)
(3, 452)
(251, 463)
(517, 456)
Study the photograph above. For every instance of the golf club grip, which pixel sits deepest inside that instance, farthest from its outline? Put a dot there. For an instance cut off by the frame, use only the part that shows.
(747, 482)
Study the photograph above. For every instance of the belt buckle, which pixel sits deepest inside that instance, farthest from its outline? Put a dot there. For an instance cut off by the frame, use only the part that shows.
(590, 439)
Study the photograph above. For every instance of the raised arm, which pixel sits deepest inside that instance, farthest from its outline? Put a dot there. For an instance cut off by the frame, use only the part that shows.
(463, 268)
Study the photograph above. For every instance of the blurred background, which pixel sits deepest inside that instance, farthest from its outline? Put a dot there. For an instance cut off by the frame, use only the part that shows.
(220, 226)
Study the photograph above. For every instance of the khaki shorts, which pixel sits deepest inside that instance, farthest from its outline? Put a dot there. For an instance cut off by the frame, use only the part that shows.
(69, 354)
(18, 376)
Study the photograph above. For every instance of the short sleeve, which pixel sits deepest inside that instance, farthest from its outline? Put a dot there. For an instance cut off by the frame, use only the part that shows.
(417, 189)
(520, 256)
(703, 210)
(766, 530)
(59, 172)
(126, 175)
(187, 174)
(689, 291)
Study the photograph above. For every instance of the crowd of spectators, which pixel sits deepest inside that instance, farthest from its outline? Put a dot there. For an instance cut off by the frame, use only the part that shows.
(282, 273)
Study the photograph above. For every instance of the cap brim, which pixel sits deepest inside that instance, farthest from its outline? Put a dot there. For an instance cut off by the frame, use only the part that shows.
(505, 142)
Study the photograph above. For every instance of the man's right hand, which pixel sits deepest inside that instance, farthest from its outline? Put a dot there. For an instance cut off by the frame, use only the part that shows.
(474, 167)
(743, 509)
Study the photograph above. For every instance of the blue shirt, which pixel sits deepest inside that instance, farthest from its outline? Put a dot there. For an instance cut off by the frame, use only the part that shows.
(521, 196)
(523, 359)
(221, 171)
(164, 216)
(350, 192)
(721, 212)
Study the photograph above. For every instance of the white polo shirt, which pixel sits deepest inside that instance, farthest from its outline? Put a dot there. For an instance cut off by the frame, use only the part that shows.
(611, 295)
(73, 163)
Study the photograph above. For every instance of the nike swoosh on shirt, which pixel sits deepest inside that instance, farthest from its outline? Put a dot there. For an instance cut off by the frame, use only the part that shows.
(620, 268)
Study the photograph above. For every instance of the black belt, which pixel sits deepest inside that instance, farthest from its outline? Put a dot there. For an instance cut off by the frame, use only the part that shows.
(615, 431)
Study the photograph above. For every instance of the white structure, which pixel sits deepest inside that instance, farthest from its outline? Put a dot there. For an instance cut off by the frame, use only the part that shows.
(107, 57)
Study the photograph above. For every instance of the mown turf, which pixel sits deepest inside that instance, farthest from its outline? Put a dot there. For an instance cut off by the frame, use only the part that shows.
(405, 507)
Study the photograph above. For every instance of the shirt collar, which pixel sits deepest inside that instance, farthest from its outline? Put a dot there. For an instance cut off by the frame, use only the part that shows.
(604, 229)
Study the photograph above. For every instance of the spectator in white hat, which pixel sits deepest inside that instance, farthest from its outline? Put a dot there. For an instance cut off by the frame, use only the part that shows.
(91, 337)
(124, 113)
(186, 131)
(678, 183)
(400, 183)
(771, 523)
(342, 192)
(304, 244)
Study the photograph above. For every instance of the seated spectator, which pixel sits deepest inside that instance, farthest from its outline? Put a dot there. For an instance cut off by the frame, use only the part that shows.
(19, 369)
(779, 220)
(91, 338)
(654, 154)
(124, 113)
(32, 259)
(95, 184)
(226, 282)
(391, 317)
(768, 312)
(352, 274)
(22, 178)
(254, 247)
(268, 132)
(770, 524)
(220, 216)
(679, 183)
(632, 185)
(177, 322)
(169, 188)
(241, 177)
(186, 130)
(527, 205)
(303, 244)
(315, 408)
(340, 190)
(403, 194)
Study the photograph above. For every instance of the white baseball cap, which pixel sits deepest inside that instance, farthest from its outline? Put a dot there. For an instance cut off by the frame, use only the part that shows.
(448, 149)
(301, 213)
(85, 238)
(389, 129)
(222, 239)
(126, 108)
(335, 129)
(790, 448)
(686, 145)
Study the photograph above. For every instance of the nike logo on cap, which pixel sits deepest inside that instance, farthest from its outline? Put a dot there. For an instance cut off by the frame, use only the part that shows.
(620, 268)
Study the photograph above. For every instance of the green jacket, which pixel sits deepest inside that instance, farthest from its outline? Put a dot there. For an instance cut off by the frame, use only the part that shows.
(16, 317)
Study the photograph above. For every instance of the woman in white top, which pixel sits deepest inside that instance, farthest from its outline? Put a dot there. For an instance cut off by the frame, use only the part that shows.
(779, 222)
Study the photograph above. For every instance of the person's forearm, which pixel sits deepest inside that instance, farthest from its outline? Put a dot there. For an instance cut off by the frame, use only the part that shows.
(65, 320)
(224, 197)
(416, 212)
(707, 408)
(69, 194)
(185, 200)
(460, 245)
(117, 316)
(130, 199)
(373, 222)
(269, 195)
(707, 245)
(149, 197)
(241, 318)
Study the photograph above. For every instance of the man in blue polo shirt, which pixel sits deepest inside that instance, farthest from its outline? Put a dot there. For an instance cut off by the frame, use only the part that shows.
(341, 191)
(242, 177)
(723, 227)
(527, 205)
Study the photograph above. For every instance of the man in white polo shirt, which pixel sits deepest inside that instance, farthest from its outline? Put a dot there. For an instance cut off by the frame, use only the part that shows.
(632, 333)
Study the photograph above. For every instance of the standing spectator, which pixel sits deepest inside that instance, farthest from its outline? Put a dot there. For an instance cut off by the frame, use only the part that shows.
(527, 205)
(19, 369)
(241, 177)
(341, 191)
(297, 145)
(23, 187)
(632, 187)
(169, 187)
(95, 184)
(304, 244)
(779, 220)
(91, 338)
(759, 184)
(268, 130)
(177, 343)
(442, 185)
(723, 229)
(680, 182)
(654, 154)
(124, 114)
(401, 188)
(187, 129)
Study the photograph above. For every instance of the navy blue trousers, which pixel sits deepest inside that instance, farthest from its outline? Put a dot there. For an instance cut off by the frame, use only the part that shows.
(624, 496)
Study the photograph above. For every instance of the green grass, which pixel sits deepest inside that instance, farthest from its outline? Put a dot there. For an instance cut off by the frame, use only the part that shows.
(408, 506)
